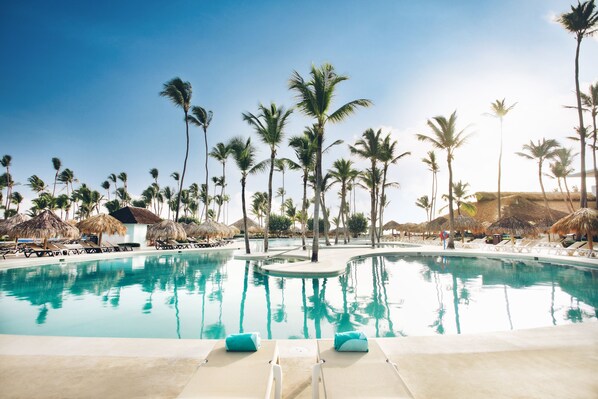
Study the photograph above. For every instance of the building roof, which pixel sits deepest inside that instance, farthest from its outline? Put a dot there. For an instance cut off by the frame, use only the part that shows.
(250, 223)
(132, 215)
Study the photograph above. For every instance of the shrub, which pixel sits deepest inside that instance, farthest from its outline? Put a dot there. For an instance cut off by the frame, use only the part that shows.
(357, 224)
(279, 223)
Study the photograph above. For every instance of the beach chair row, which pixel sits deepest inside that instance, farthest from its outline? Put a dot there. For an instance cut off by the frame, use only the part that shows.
(367, 374)
(191, 243)
(541, 245)
(56, 248)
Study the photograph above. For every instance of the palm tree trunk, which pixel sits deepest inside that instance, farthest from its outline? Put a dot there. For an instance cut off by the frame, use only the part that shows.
(451, 241)
(583, 199)
(373, 206)
(344, 213)
(338, 226)
(316, 224)
(282, 200)
(269, 208)
(563, 194)
(433, 198)
(568, 193)
(222, 191)
(205, 138)
(382, 203)
(178, 202)
(499, 169)
(247, 250)
(543, 192)
(304, 210)
(594, 159)
(326, 220)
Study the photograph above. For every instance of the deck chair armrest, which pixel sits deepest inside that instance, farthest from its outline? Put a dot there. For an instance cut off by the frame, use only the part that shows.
(316, 372)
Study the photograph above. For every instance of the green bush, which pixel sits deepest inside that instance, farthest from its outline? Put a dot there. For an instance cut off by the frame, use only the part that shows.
(357, 224)
(310, 224)
(279, 223)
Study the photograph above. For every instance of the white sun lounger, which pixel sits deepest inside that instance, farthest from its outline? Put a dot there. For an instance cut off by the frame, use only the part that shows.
(356, 374)
(237, 374)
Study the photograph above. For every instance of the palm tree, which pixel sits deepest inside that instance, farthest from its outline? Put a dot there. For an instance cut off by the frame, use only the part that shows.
(244, 155)
(114, 179)
(388, 156)
(154, 174)
(445, 137)
(202, 118)
(168, 196)
(269, 125)
(16, 198)
(434, 168)
(37, 185)
(314, 99)
(590, 103)
(425, 203)
(545, 149)
(6, 163)
(106, 186)
(343, 173)
(370, 147)
(57, 164)
(460, 197)
(582, 21)
(500, 110)
(280, 165)
(290, 211)
(326, 185)
(122, 176)
(259, 205)
(304, 147)
(179, 93)
(561, 169)
(221, 152)
(63, 203)
(67, 177)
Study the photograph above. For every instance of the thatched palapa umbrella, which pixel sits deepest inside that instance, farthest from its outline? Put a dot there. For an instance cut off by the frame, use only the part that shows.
(166, 230)
(583, 221)
(234, 230)
(513, 226)
(101, 224)
(8, 224)
(210, 229)
(45, 225)
(190, 228)
(463, 223)
(437, 224)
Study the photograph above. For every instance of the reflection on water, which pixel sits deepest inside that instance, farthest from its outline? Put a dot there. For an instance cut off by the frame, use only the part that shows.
(209, 295)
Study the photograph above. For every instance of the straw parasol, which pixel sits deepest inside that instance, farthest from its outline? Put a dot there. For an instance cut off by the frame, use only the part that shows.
(166, 230)
(45, 225)
(392, 225)
(239, 224)
(8, 224)
(436, 224)
(210, 229)
(464, 222)
(583, 221)
(190, 228)
(255, 230)
(513, 226)
(227, 231)
(101, 224)
(234, 230)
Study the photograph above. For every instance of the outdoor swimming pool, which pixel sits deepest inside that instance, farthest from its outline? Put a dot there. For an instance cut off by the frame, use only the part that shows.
(210, 294)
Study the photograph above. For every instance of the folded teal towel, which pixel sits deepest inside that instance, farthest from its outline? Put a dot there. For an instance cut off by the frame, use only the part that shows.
(351, 341)
(245, 342)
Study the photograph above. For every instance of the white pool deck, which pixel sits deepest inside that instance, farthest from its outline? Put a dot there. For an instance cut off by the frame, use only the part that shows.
(550, 362)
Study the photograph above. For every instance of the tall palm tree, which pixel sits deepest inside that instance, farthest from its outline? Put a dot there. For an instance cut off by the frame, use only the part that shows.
(37, 185)
(561, 168)
(106, 186)
(202, 118)
(114, 179)
(67, 177)
(445, 137)
(590, 104)
(314, 99)
(259, 205)
(388, 156)
(168, 196)
(244, 154)
(16, 198)
(154, 173)
(179, 93)
(57, 164)
(269, 125)
(280, 165)
(221, 152)
(460, 197)
(6, 163)
(434, 168)
(500, 110)
(425, 203)
(343, 173)
(305, 151)
(370, 147)
(545, 149)
(370, 180)
(122, 176)
(582, 21)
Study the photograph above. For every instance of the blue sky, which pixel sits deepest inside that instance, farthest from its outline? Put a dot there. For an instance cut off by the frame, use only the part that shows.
(81, 82)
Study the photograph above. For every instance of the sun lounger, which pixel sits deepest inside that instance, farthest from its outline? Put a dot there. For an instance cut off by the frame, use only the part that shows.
(162, 245)
(32, 248)
(572, 249)
(178, 245)
(237, 374)
(356, 374)
(500, 245)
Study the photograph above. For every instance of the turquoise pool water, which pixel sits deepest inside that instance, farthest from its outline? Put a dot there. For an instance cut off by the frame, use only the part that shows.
(209, 295)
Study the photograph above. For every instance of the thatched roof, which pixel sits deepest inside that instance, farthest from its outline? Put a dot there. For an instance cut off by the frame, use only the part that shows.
(190, 228)
(45, 225)
(582, 221)
(512, 225)
(464, 222)
(437, 224)
(134, 215)
(250, 223)
(211, 229)
(482, 196)
(9, 223)
(518, 206)
(392, 225)
(234, 230)
(165, 230)
(102, 224)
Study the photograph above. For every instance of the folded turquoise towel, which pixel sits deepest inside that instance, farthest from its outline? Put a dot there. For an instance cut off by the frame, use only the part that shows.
(351, 341)
(245, 342)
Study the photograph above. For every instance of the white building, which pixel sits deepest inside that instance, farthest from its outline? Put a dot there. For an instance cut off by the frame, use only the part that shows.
(136, 221)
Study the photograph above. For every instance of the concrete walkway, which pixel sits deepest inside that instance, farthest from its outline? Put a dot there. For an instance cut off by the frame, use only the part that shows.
(551, 362)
